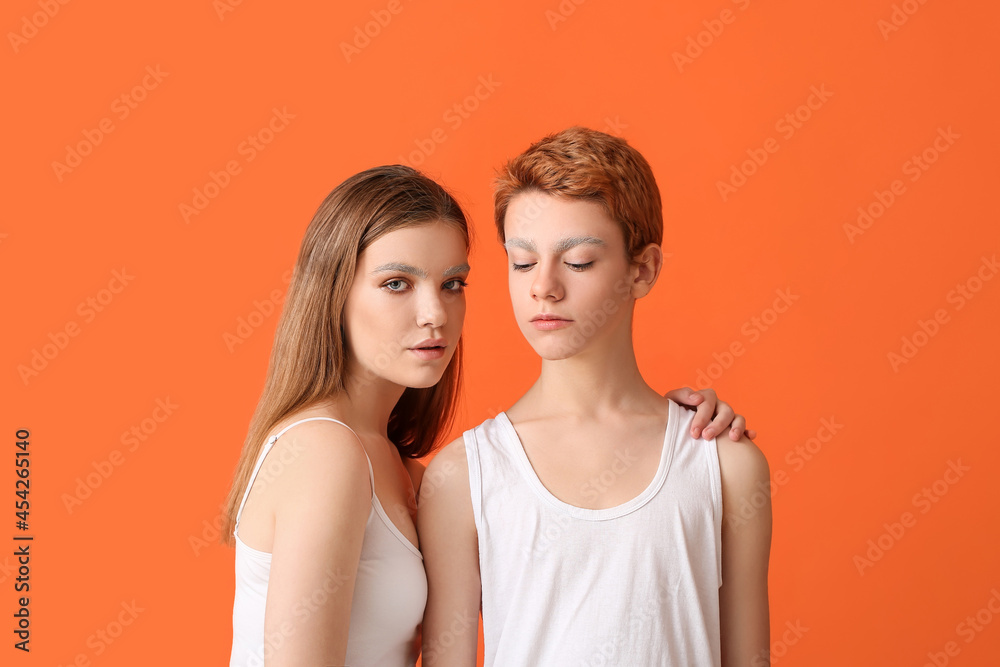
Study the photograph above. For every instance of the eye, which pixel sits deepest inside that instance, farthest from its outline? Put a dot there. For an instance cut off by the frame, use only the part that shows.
(521, 267)
(579, 267)
(395, 285)
(456, 285)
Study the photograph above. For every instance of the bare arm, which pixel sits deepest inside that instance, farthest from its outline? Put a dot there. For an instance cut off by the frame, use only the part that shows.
(451, 556)
(746, 547)
(323, 498)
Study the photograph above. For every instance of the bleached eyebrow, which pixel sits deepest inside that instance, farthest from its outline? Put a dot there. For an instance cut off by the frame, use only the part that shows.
(565, 244)
(524, 244)
(396, 267)
(560, 247)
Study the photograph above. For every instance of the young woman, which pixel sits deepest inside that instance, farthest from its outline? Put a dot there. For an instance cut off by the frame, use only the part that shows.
(363, 380)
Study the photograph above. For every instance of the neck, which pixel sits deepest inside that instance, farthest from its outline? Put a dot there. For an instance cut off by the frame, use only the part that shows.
(367, 402)
(601, 379)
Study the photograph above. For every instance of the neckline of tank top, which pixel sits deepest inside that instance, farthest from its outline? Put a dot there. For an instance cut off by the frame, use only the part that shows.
(586, 513)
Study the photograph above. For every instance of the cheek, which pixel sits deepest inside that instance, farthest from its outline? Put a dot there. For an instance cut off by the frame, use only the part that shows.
(519, 285)
(456, 312)
(370, 317)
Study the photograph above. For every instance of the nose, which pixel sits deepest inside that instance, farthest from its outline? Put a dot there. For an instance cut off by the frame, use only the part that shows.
(431, 310)
(545, 284)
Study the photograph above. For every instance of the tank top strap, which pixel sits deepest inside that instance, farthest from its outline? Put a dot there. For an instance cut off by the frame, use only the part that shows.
(270, 443)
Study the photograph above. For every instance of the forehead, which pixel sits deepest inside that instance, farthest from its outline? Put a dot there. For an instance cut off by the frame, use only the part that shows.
(547, 220)
(426, 239)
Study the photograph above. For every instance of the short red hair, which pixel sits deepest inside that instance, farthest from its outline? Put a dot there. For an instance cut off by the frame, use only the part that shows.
(586, 164)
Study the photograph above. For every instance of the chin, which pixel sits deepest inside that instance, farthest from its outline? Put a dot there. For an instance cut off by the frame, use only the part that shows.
(424, 378)
(551, 350)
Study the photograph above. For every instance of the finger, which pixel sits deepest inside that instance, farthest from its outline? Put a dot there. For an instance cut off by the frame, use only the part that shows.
(703, 415)
(685, 396)
(723, 418)
(751, 434)
(737, 428)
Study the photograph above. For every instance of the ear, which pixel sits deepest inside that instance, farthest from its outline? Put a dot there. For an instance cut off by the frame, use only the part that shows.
(646, 266)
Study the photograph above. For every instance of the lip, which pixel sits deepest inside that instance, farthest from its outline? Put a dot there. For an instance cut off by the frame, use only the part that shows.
(549, 322)
(430, 349)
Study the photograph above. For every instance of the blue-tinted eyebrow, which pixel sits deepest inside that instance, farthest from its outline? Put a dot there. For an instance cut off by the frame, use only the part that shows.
(560, 247)
(396, 267)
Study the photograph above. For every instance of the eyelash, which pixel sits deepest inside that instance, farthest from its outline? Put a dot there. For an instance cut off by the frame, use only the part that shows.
(574, 267)
(461, 285)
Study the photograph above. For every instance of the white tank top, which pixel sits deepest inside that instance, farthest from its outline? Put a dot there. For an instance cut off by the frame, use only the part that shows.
(632, 585)
(390, 591)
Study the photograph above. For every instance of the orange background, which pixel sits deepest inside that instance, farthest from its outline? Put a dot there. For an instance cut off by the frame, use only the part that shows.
(610, 66)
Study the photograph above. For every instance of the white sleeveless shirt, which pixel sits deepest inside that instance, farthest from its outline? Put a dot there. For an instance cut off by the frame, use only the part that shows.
(635, 585)
(390, 591)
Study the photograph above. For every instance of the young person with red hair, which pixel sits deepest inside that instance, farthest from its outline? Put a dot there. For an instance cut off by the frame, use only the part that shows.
(586, 522)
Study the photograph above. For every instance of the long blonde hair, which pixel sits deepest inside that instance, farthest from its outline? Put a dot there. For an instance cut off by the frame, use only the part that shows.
(309, 356)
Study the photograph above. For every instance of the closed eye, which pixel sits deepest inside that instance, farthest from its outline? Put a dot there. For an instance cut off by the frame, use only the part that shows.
(521, 267)
(579, 267)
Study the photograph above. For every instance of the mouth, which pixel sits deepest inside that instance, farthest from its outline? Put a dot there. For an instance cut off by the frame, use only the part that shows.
(430, 349)
(549, 322)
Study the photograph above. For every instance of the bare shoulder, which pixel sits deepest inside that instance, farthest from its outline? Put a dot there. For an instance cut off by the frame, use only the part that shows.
(317, 463)
(742, 464)
(447, 476)
(445, 516)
